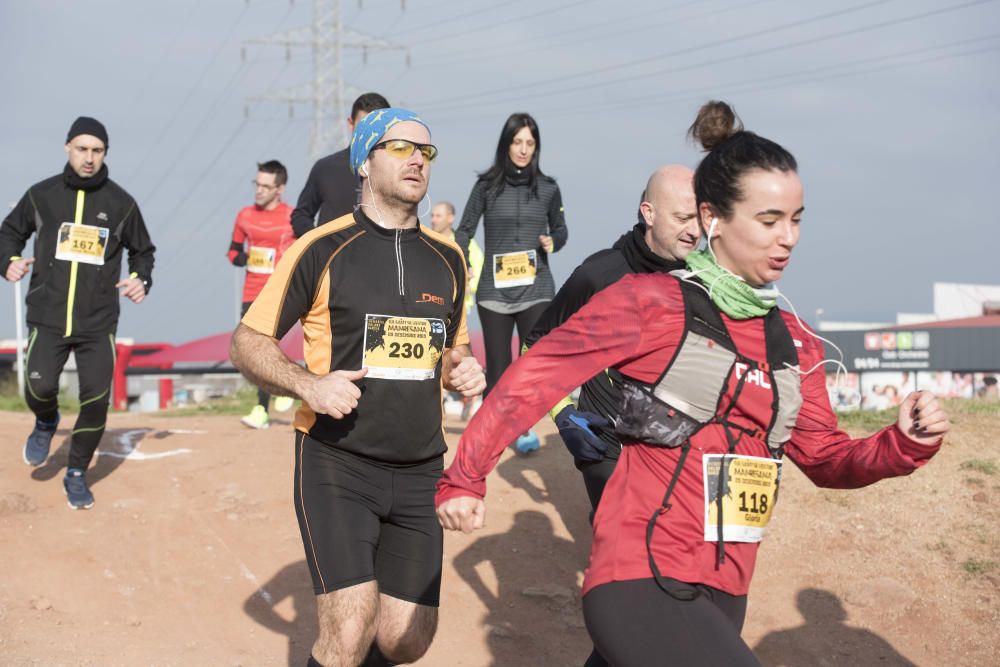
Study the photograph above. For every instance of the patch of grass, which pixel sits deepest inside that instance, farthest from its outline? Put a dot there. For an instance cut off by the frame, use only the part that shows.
(977, 566)
(872, 420)
(941, 546)
(14, 402)
(972, 406)
(236, 404)
(985, 466)
(866, 420)
(974, 481)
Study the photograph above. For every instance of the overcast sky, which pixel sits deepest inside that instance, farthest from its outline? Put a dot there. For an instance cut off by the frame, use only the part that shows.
(890, 107)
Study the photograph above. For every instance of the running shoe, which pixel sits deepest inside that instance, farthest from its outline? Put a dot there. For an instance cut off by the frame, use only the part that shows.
(283, 403)
(257, 418)
(526, 443)
(78, 495)
(36, 449)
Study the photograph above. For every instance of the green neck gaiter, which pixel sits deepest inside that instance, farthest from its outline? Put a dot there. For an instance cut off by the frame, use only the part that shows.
(733, 296)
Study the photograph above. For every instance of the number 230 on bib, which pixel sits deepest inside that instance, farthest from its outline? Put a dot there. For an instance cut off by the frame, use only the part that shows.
(402, 348)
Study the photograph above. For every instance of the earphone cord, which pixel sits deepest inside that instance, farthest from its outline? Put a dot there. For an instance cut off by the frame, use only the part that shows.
(378, 214)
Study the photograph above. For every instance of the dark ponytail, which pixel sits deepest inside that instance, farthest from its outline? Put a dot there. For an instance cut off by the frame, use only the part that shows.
(731, 153)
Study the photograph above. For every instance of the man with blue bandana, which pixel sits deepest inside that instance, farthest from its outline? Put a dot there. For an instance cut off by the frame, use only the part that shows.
(381, 301)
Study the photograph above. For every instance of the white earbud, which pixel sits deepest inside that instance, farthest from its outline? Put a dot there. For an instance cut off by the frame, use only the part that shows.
(364, 168)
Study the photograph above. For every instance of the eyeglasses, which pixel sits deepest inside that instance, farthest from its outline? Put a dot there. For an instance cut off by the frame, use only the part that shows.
(402, 149)
(264, 186)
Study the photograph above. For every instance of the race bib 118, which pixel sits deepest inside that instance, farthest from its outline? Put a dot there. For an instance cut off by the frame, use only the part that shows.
(745, 494)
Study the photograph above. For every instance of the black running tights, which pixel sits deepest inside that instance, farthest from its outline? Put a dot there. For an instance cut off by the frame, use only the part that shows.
(498, 328)
(636, 624)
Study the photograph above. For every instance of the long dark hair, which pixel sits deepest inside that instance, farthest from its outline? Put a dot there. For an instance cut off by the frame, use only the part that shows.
(732, 152)
(495, 176)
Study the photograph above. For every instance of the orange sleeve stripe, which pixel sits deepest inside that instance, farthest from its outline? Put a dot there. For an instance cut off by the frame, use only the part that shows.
(462, 337)
(317, 332)
(265, 313)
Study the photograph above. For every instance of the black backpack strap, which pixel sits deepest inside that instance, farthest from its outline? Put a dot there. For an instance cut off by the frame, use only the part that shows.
(675, 590)
(703, 316)
(778, 340)
(781, 353)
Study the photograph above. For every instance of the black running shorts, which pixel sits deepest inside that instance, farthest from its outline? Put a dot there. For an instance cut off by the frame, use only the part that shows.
(362, 520)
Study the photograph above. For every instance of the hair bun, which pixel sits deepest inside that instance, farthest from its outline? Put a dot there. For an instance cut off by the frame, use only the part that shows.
(716, 122)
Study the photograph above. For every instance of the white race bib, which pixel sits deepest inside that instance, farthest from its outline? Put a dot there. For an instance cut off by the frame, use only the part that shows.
(512, 269)
(748, 493)
(260, 260)
(81, 243)
(402, 348)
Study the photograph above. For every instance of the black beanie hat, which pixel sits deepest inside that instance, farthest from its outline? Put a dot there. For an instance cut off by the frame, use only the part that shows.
(88, 125)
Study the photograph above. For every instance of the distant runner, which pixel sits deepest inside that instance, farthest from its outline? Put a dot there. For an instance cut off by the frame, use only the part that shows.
(82, 222)
(261, 235)
(524, 222)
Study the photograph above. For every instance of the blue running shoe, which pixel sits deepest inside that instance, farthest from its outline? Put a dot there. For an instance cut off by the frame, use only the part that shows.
(77, 493)
(526, 443)
(36, 449)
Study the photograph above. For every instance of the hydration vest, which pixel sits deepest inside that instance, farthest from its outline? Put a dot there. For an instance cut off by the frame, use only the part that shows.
(693, 392)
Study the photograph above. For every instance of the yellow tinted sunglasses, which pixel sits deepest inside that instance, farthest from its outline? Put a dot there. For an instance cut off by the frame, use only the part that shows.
(402, 149)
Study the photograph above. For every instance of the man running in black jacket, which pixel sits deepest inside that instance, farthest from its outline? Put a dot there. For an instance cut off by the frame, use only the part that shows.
(82, 221)
(332, 190)
(666, 232)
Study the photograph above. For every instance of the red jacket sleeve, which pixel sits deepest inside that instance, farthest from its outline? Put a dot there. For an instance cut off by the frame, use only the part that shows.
(831, 458)
(605, 332)
(239, 236)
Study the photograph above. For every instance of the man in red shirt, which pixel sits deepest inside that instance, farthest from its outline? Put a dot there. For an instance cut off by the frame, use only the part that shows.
(261, 234)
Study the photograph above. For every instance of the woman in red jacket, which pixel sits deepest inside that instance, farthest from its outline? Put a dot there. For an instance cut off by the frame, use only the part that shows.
(720, 385)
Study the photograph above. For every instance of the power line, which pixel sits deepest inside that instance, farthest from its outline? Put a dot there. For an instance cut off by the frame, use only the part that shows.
(210, 114)
(516, 19)
(177, 110)
(326, 38)
(741, 56)
(204, 173)
(192, 277)
(743, 85)
(669, 54)
(491, 8)
(461, 56)
(164, 56)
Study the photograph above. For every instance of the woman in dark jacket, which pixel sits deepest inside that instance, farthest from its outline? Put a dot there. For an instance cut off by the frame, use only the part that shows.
(523, 218)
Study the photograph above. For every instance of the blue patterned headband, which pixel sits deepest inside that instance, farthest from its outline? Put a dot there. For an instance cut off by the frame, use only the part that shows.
(372, 127)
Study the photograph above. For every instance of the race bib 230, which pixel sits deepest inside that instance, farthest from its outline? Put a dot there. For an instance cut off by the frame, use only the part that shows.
(402, 348)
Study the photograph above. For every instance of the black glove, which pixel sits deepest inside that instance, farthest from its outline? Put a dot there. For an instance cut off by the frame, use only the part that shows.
(575, 430)
(240, 259)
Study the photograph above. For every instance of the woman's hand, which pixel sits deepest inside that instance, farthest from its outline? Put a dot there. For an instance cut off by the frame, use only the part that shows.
(548, 245)
(922, 418)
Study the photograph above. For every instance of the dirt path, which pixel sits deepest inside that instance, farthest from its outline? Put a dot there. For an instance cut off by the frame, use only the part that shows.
(192, 557)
